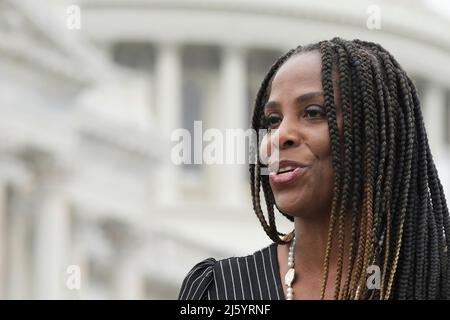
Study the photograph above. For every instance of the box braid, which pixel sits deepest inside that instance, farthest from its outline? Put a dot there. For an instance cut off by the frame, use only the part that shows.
(438, 215)
(352, 152)
(384, 175)
(436, 219)
(391, 90)
(344, 67)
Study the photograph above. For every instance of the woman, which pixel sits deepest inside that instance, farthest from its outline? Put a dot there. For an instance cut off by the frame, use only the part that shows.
(353, 171)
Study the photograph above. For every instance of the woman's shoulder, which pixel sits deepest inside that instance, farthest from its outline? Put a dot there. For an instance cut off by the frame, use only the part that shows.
(257, 258)
(202, 276)
(197, 281)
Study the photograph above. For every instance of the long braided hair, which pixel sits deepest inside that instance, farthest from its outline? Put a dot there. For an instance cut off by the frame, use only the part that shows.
(387, 178)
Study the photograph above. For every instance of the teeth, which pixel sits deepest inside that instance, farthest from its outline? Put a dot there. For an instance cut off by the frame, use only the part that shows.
(288, 168)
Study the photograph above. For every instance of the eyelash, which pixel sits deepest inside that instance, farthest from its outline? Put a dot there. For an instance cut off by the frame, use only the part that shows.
(266, 119)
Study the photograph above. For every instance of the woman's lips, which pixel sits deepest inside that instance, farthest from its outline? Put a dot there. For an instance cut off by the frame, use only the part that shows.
(287, 177)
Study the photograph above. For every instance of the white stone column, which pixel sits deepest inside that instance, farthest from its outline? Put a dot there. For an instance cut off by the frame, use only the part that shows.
(232, 115)
(3, 240)
(51, 232)
(433, 102)
(19, 249)
(18, 286)
(168, 82)
(129, 281)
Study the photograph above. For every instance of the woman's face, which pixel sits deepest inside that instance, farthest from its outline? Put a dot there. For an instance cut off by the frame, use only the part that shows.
(298, 130)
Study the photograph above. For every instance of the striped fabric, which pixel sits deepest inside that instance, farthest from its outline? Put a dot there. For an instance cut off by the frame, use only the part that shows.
(252, 277)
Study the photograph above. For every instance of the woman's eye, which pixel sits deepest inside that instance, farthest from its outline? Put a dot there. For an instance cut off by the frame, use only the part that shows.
(271, 121)
(314, 112)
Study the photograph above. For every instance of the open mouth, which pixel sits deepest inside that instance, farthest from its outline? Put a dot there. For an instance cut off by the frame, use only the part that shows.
(287, 175)
(284, 171)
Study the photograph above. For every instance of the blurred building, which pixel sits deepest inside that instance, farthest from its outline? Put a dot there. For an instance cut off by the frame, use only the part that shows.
(87, 116)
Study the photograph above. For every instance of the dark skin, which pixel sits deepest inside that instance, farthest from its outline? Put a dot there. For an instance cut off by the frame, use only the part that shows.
(301, 127)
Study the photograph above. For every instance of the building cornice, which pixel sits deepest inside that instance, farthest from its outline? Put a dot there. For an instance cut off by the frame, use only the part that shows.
(397, 18)
(45, 60)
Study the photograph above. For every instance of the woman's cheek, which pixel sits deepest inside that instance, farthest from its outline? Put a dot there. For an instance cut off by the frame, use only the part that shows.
(264, 149)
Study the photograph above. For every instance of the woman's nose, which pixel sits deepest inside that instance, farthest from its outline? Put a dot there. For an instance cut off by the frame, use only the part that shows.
(288, 134)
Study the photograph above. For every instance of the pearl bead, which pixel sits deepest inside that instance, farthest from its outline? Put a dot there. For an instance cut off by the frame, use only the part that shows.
(290, 290)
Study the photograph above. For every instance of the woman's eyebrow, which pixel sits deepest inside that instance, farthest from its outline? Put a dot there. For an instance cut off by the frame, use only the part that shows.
(299, 99)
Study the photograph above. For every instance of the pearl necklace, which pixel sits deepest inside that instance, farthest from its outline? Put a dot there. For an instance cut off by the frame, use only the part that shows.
(290, 274)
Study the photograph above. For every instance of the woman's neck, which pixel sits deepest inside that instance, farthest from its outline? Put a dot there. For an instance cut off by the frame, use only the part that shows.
(311, 242)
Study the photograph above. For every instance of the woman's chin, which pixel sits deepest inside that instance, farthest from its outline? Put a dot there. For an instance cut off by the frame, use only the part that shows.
(290, 205)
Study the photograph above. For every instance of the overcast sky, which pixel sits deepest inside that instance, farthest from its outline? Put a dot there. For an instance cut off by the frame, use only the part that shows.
(442, 6)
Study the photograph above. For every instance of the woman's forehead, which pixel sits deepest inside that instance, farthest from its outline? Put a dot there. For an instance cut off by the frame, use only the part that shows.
(300, 71)
(302, 75)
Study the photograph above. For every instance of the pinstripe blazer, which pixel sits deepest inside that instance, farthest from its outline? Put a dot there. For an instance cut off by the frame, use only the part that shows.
(252, 277)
